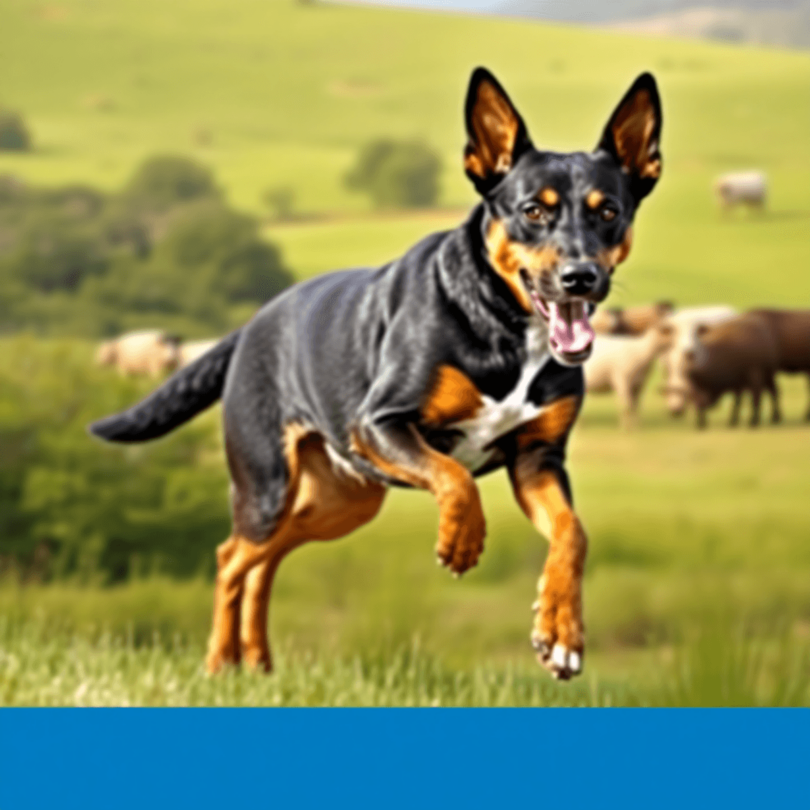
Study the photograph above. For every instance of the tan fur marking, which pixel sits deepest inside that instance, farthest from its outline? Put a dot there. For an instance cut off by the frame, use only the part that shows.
(632, 133)
(495, 127)
(461, 518)
(452, 397)
(323, 503)
(550, 425)
(508, 258)
(594, 199)
(610, 257)
(559, 614)
(549, 197)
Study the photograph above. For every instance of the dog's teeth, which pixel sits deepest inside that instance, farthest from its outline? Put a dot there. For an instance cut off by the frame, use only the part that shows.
(575, 662)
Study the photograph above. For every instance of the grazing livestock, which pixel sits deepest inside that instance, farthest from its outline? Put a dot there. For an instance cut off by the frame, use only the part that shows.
(193, 349)
(148, 353)
(790, 329)
(741, 188)
(622, 364)
(736, 355)
(630, 321)
(685, 323)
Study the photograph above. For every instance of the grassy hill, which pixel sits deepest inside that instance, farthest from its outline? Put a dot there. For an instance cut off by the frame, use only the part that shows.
(287, 92)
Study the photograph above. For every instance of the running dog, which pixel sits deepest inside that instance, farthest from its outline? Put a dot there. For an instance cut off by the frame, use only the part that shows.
(460, 357)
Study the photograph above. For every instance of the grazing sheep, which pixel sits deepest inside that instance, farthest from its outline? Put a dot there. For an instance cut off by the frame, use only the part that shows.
(736, 355)
(622, 364)
(790, 328)
(150, 352)
(741, 188)
(685, 323)
(630, 321)
(193, 349)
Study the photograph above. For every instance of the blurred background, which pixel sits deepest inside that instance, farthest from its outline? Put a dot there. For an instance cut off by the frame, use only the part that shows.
(165, 167)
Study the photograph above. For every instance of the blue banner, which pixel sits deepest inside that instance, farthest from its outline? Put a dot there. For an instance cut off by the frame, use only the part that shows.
(390, 758)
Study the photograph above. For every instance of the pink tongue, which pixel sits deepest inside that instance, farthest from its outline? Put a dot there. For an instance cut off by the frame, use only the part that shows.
(570, 337)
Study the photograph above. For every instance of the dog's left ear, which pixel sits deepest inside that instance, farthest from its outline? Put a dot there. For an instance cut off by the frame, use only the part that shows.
(497, 134)
(633, 135)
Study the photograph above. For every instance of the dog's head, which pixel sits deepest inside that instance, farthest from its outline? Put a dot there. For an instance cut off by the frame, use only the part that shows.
(557, 225)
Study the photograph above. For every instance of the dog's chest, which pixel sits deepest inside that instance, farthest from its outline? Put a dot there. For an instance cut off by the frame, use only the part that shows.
(495, 418)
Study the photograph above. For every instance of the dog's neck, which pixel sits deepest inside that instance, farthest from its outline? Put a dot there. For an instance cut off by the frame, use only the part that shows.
(470, 282)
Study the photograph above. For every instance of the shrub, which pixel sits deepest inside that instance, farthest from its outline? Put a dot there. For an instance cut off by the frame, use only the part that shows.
(397, 174)
(165, 181)
(243, 267)
(14, 135)
(280, 201)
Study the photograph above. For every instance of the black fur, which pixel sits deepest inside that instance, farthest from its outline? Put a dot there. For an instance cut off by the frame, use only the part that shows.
(183, 396)
(354, 352)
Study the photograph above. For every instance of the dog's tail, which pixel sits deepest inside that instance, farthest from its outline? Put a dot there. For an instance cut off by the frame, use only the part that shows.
(191, 390)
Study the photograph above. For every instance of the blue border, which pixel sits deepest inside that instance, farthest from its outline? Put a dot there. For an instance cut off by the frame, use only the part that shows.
(389, 758)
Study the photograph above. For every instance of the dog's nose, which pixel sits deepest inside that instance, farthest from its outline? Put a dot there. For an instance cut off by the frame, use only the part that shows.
(579, 279)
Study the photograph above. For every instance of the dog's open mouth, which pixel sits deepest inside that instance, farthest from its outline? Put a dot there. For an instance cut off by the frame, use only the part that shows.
(570, 334)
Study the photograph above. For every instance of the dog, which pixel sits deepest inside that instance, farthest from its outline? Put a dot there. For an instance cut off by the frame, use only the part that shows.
(460, 357)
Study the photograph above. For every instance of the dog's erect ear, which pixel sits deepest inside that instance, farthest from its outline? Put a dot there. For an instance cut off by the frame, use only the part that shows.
(633, 135)
(497, 134)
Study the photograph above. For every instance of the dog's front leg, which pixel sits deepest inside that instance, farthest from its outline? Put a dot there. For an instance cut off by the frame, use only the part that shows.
(398, 451)
(542, 490)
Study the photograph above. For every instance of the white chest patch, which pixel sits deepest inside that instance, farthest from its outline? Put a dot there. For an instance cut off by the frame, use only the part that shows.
(497, 418)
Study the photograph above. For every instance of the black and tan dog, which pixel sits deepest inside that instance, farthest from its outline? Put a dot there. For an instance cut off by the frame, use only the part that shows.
(458, 358)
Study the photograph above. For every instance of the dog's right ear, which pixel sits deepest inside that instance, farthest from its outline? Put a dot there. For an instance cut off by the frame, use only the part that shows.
(497, 134)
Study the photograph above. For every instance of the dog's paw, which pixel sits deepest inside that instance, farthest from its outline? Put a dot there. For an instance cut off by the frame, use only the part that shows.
(461, 532)
(557, 635)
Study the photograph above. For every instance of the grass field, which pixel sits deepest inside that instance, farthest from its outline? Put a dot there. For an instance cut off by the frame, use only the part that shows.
(697, 582)
(698, 553)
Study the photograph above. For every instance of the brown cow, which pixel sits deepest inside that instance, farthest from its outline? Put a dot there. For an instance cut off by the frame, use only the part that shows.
(630, 321)
(736, 355)
(791, 332)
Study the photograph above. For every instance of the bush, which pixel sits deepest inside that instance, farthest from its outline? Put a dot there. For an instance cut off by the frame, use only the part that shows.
(280, 201)
(14, 136)
(70, 505)
(397, 174)
(243, 267)
(165, 181)
(167, 253)
(51, 256)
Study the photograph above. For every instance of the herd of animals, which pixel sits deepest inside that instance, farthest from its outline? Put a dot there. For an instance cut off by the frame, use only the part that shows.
(704, 352)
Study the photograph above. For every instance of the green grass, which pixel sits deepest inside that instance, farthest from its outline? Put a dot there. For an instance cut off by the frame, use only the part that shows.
(695, 589)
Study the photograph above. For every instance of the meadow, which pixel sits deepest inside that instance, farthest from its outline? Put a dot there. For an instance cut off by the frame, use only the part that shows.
(697, 583)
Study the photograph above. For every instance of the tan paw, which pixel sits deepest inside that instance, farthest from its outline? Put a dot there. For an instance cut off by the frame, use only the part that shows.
(557, 635)
(461, 532)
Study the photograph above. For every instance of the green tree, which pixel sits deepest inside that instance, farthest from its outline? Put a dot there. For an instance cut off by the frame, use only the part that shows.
(14, 135)
(397, 174)
(165, 181)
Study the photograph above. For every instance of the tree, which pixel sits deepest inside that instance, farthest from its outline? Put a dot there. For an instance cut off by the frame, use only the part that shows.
(397, 174)
(14, 135)
(165, 181)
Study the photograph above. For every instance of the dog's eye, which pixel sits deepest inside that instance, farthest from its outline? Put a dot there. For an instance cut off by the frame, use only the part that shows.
(535, 212)
(608, 214)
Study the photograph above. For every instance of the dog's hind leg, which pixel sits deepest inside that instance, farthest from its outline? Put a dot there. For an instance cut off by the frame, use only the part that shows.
(235, 558)
(329, 502)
